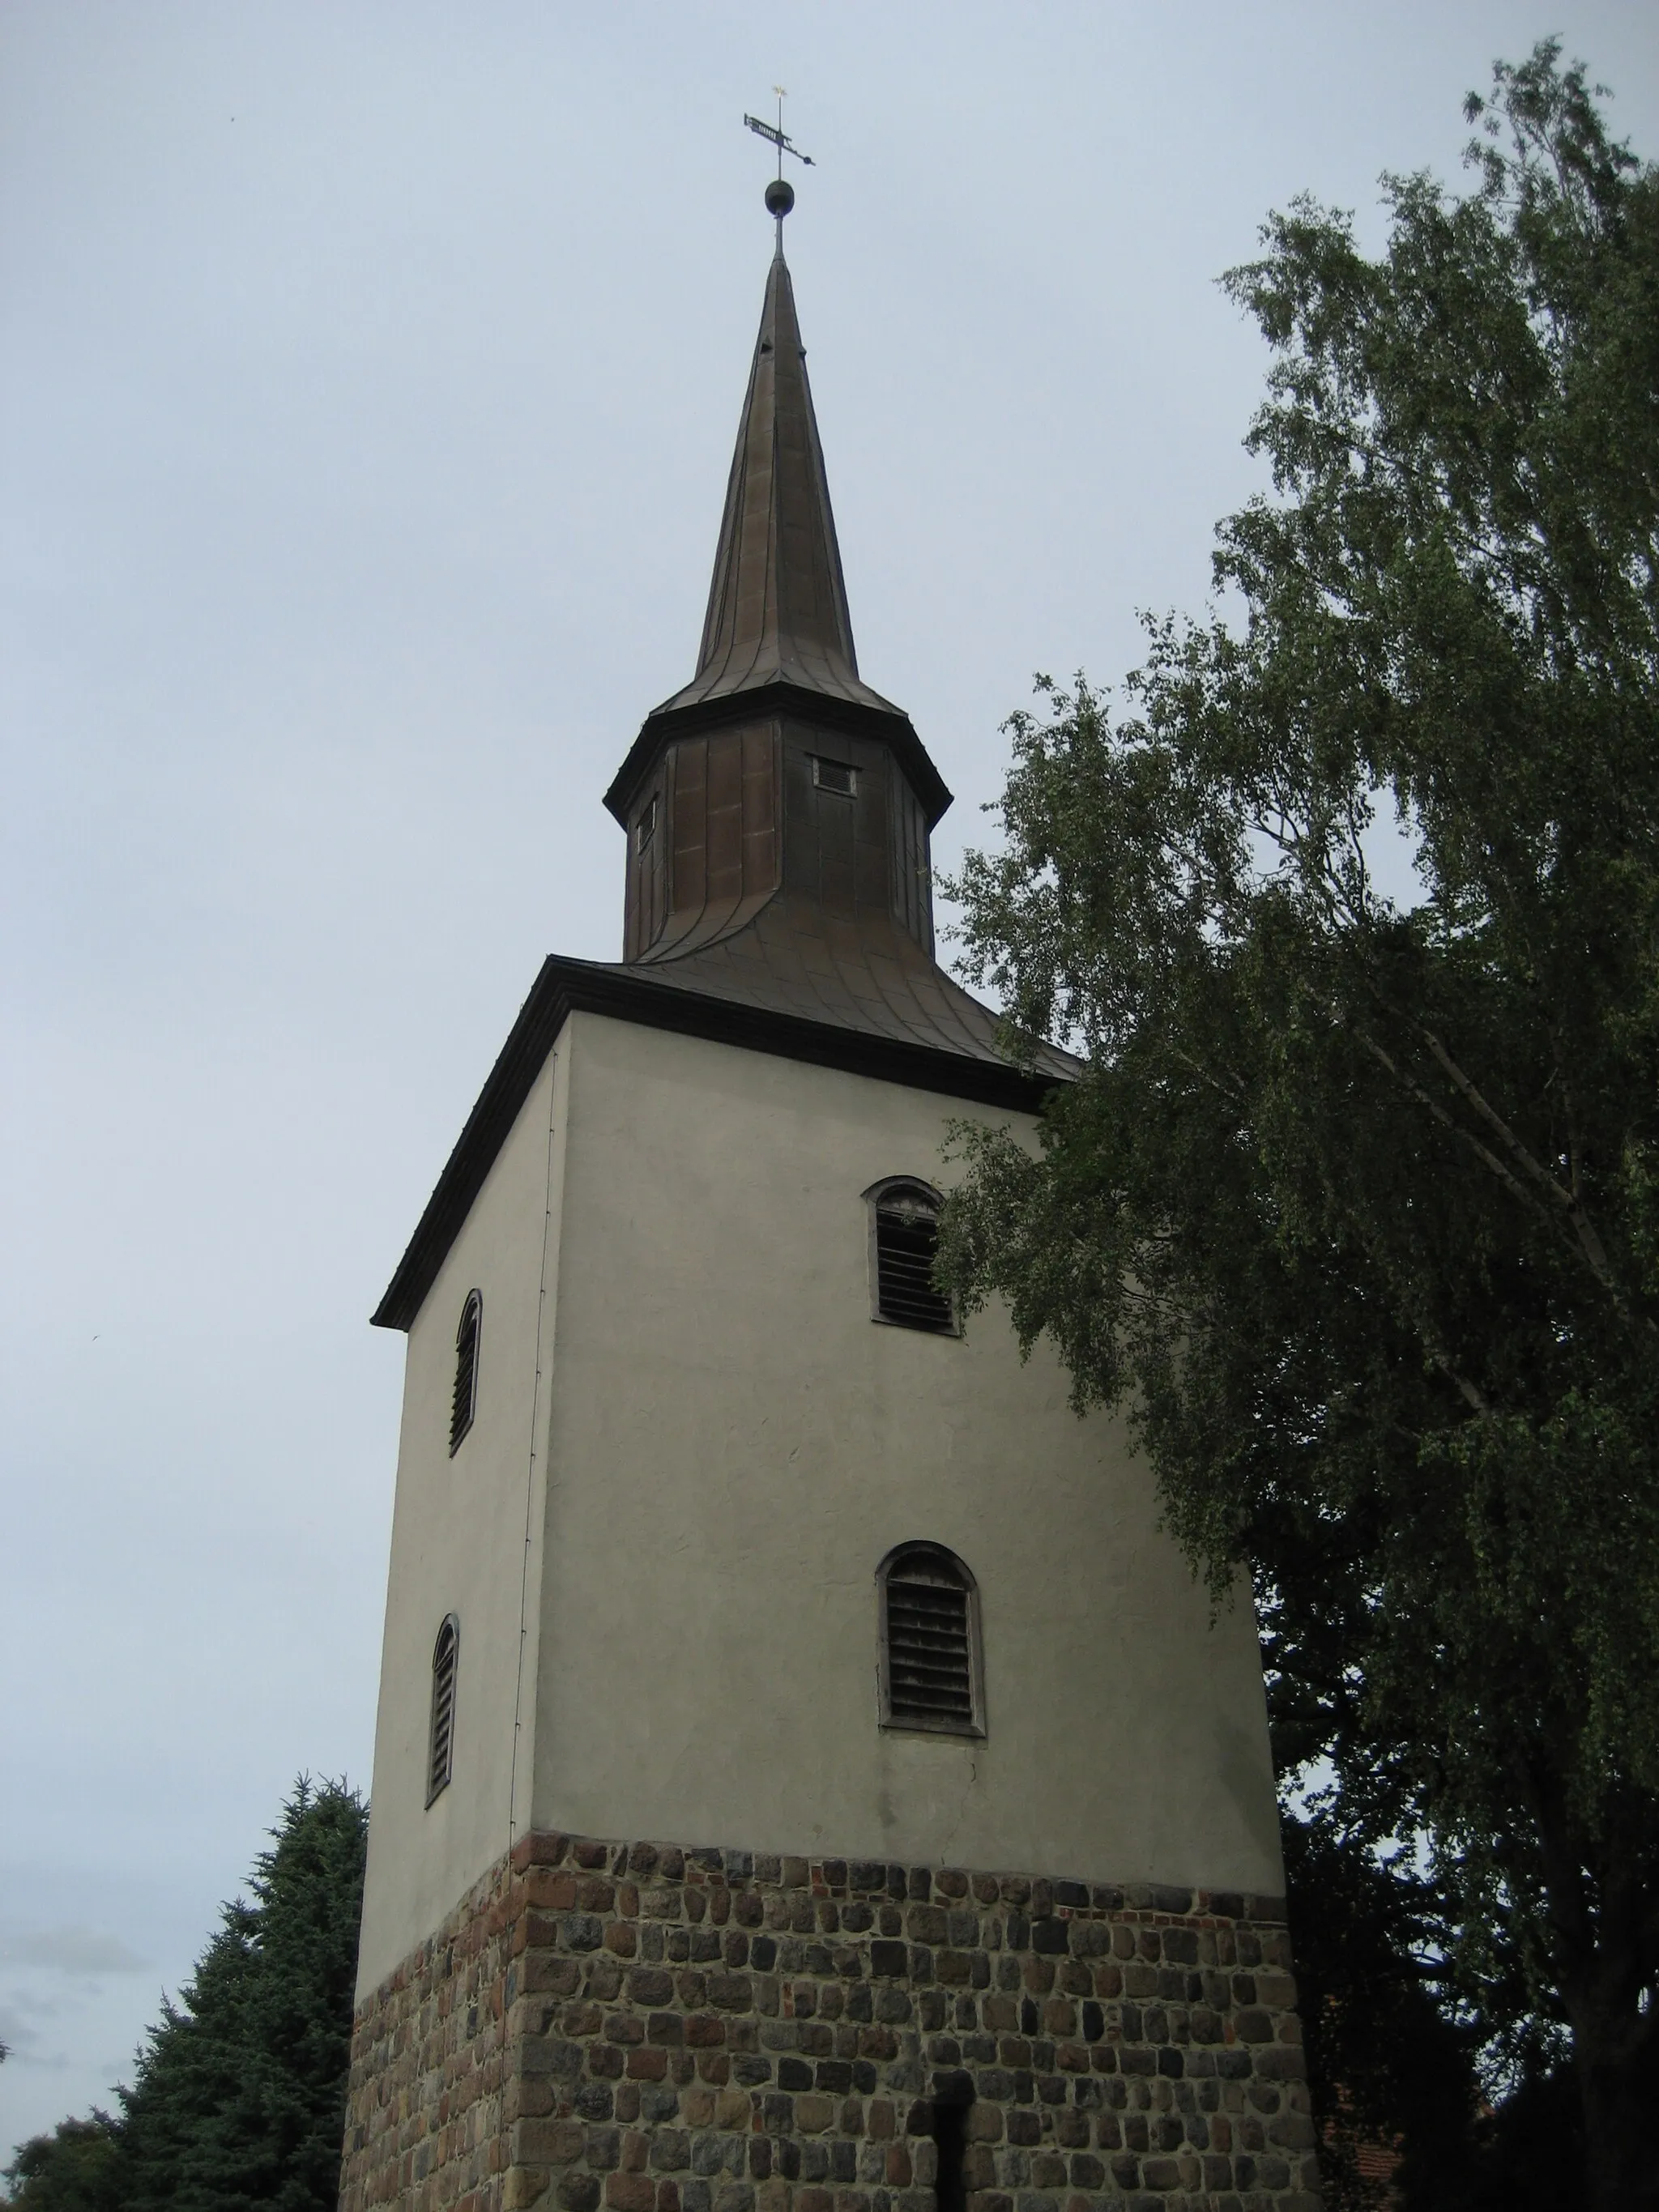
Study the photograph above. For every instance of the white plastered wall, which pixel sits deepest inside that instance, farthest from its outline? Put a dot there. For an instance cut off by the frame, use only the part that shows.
(725, 1447)
(735, 1446)
(458, 1545)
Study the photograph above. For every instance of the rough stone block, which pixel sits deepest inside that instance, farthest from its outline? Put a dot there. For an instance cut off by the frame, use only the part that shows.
(599, 2024)
(631, 2192)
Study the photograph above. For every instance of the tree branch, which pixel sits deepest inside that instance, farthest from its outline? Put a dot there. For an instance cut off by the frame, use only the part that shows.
(1576, 1237)
(1594, 1250)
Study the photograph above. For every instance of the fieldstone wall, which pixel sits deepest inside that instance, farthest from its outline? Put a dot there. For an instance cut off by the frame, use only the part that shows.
(642, 2028)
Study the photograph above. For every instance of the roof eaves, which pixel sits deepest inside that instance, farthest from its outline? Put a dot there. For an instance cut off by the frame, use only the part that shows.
(565, 987)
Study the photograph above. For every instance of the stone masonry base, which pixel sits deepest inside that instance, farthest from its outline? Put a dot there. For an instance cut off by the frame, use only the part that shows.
(644, 2028)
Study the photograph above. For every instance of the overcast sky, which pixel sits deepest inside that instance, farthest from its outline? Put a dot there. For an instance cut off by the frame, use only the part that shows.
(368, 375)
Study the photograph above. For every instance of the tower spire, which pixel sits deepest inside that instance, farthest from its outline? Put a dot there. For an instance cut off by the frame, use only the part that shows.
(777, 654)
(777, 604)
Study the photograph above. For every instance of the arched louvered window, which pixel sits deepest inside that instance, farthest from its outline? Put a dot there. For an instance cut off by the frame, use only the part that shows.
(903, 1245)
(931, 1673)
(464, 1402)
(440, 1748)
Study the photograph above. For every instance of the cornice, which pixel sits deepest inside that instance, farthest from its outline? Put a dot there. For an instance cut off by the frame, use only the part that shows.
(565, 987)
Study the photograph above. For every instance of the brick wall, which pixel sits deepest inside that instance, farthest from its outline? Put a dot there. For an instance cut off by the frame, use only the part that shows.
(614, 2027)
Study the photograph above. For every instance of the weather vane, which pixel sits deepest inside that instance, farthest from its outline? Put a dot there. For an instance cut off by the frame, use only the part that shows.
(780, 193)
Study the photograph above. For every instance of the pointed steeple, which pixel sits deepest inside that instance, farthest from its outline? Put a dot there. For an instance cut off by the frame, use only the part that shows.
(777, 637)
(777, 784)
(777, 607)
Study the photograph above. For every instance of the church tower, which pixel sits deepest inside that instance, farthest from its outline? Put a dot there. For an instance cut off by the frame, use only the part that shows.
(806, 1778)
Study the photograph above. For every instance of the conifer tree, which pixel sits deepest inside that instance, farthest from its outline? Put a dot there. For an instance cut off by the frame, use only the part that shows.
(240, 2095)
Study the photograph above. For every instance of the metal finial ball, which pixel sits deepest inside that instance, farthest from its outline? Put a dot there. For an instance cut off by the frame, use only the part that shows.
(779, 197)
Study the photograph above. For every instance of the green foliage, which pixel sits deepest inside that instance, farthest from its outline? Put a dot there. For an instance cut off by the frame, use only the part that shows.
(1392, 2056)
(76, 2168)
(240, 2097)
(1529, 2153)
(240, 2094)
(1386, 2063)
(1355, 1207)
